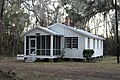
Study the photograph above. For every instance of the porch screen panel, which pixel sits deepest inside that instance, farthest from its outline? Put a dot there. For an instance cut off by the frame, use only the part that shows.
(27, 52)
(47, 44)
(43, 42)
(56, 45)
(32, 42)
(38, 42)
(27, 45)
(43, 45)
(38, 52)
(57, 42)
(27, 42)
(42, 52)
(38, 45)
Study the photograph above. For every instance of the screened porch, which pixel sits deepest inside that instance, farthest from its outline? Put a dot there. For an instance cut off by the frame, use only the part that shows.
(43, 45)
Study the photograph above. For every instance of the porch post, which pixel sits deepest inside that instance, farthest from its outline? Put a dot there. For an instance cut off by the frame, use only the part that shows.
(24, 45)
(86, 42)
(51, 46)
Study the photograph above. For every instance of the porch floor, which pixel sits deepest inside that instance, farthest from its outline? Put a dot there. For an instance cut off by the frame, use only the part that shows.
(42, 57)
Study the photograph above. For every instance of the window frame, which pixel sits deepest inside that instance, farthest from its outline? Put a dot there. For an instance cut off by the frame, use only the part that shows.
(94, 44)
(88, 41)
(71, 43)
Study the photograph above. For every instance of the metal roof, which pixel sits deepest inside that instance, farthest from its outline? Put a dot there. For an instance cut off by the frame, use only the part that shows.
(48, 30)
(82, 32)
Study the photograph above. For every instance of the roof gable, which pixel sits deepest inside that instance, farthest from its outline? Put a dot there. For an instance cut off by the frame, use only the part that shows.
(41, 28)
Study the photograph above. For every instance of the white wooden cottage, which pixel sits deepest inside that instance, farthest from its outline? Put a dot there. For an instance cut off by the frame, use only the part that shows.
(42, 42)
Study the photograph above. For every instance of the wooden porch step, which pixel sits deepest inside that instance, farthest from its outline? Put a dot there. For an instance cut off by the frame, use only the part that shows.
(31, 59)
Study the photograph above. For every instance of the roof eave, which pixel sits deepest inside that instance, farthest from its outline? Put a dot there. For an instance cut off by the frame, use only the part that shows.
(50, 32)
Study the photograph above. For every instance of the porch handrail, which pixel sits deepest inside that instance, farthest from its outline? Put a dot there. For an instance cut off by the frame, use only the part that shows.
(33, 53)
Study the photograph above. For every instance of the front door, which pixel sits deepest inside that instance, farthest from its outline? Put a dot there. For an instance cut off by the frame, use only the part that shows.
(32, 46)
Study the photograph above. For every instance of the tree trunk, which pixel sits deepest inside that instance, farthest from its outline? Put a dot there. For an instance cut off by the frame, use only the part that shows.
(1, 24)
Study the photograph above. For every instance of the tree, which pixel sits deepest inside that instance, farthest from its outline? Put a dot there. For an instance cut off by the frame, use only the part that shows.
(45, 12)
(14, 21)
(84, 10)
(1, 22)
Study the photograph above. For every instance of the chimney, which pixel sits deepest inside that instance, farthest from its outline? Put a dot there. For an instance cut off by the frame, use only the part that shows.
(67, 21)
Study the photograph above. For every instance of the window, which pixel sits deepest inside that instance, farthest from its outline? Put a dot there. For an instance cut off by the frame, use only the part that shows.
(74, 42)
(71, 42)
(97, 44)
(68, 42)
(93, 43)
(88, 42)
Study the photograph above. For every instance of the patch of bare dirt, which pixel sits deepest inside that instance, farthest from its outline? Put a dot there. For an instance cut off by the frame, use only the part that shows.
(100, 70)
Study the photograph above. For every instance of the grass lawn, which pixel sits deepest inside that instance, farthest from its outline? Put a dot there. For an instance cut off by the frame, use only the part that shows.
(101, 69)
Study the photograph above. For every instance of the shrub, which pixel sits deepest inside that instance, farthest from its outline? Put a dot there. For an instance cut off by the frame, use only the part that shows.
(87, 53)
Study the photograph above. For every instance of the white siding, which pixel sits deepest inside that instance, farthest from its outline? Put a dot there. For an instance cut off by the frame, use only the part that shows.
(86, 42)
(59, 29)
(82, 43)
(74, 52)
(96, 44)
(99, 44)
(98, 51)
(91, 43)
